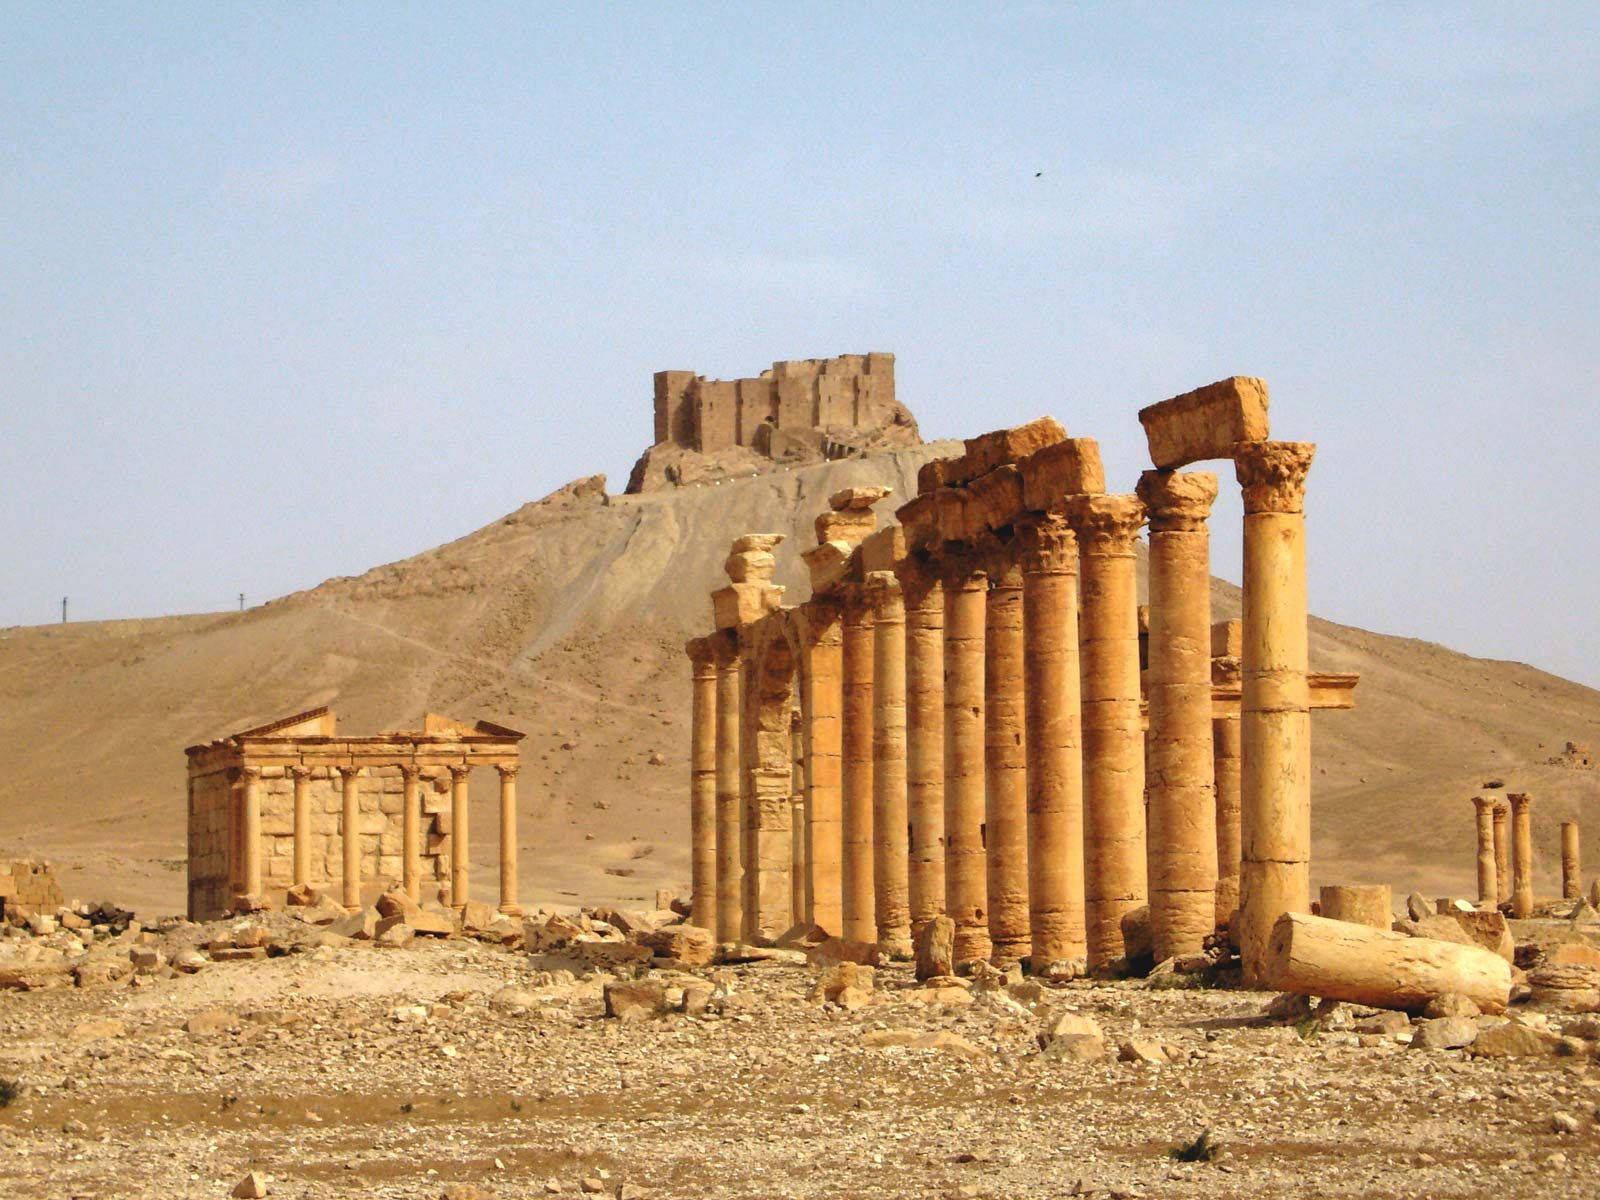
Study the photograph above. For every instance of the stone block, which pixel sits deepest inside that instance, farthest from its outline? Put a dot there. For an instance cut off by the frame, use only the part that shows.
(1062, 469)
(884, 550)
(991, 503)
(850, 526)
(1227, 639)
(1004, 446)
(919, 519)
(744, 603)
(1205, 423)
(828, 564)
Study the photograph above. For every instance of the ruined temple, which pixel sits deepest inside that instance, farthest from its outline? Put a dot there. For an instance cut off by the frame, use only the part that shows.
(797, 411)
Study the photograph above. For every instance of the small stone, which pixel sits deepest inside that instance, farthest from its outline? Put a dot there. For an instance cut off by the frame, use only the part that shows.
(1513, 1039)
(1564, 1123)
(252, 1187)
(591, 1185)
(1417, 907)
(632, 999)
(1451, 1004)
(1444, 1033)
(1143, 1050)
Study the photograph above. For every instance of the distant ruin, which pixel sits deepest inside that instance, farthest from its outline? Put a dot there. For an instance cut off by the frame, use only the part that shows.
(800, 410)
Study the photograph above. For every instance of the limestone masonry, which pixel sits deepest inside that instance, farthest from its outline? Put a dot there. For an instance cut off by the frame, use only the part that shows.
(801, 410)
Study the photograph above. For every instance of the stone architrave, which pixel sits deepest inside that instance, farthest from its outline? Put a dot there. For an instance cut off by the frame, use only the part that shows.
(460, 843)
(1005, 760)
(1275, 708)
(858, 919)
(730, 909)
(891, 849)
(1181, 821)
(924, 604)
(250, 788)
(1502, 850)
(350, 834)
(703, 782)
(1054, 744)
(1488, 881)
(411, 831)
(1114, 866)
(301, 776)
(824, 650)
(965, 879)
(1571, 885)
(1521, 854)
(508, 839)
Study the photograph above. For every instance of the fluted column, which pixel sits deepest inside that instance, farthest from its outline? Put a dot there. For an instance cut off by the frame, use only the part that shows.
(702, 782)
(924, 604)
(859, 920)
(966, 889)
(824, 766)
(1181, 820)
(1113, 739)
(1005, 762)
(1571, 885)
(1054, 745)
(891, 852)
(1275, 800)
(350, 834)
(730, 907)
(460, 839)
(411, 830)
(250, 789)
(1502, 850)
(508, 839)
(302, 825)
(1488, 884)
(1521, 855)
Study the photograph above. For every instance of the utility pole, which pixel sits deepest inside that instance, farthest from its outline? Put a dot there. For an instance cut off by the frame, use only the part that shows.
(241, 601)
(63, 610)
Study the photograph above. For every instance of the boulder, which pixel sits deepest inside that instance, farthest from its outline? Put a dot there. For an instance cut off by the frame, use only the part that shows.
(687, 945)
(252, 1187)
(837, 950)
(842, 978)
(1444, 1033)
(210, 1022)
(360, 926)
(97, 1029)
(396, 903)
(1513, 1039)
(935, 948)
(1417, 906)
(634, 998)
(1071, 1035)
(1450, 1004)
(544, 935)
(476, 916)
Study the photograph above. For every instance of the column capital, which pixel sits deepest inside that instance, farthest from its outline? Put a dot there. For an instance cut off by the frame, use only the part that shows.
(1485, 804)
(349, 773)
(1520, 801)
(882, 589)
(1049, 547)
(508, 770)
(999, 559)
(1501, 808)
(1106, 525)
(459, 771)
(817, 621)
(298, 772)
(409, 770)
(1178, 501)
(249, 774)
(919, 582)
(724, 649)
(961, 571)
(702, 655)
(1273, 474)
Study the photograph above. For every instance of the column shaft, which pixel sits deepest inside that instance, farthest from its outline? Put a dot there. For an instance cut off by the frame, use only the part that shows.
(411, 832)
(1005, 763)
(1113, 738)
(859, 919)
(460, 839)
(1181, 821)
(350, 834)
(1225, 764)
(966, 890)
(1054, 746)
(1571, 885)
(924, 601)
(302, 825)
(1502, 851)
(703, 784)
(508, 840)
(730, 909)
(797, 823)
(1521, 855)
(891, 851)
(252, 831)
(1488, 885)
(824, 766)
(1275, 721)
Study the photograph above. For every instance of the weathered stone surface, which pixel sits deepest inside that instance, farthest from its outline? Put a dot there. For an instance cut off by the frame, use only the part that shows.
(1206, 422)
(1444, 1033)
(690, 945)
(1417, 907)
(1513, 1039)
(97, 1029)
(253, 1186)
(361, 926)
(1070, 1035)
(1450, 1005)
(842, 978)
(636, 998)
(916, 1039)
(211, 1022)
(1063, 469)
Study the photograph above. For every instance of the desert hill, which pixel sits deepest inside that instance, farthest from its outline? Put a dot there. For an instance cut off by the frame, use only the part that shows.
(566, 619)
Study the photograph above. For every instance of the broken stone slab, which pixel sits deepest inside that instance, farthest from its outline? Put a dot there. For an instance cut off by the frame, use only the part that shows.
(916, 1039)
(1451, 1005)
(1054, 472)
(837, 950)
(1207, 422)
(360, 926)
(684, 945)
(253, 1186)
(223, 954)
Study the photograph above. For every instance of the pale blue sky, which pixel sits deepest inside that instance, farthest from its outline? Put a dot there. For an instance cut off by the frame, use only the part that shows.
(289, 291)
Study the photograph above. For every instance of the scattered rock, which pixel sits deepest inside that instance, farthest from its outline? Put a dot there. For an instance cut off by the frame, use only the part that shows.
(636, 998)
(1444, 1033)
(1451, 1004)
(252, 1187)
(1513, 1039)
(1417, 906)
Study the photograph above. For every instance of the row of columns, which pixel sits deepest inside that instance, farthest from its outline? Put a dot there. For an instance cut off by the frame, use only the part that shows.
(1505, 854)
(411, 832)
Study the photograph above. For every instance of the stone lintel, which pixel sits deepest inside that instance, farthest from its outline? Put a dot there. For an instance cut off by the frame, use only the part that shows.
(829, 564)
(1207, 422)
(883, 550)
(1327, 689)
(919, 519)
(1061, 469)
(990, 503)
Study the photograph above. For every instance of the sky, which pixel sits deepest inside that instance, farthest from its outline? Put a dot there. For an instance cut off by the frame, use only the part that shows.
(290, 291)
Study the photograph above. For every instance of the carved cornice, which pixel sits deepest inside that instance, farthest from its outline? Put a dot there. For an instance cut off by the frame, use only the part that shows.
(1177, 501)
(1048, 546)
(1106, 525)
(1273, 475)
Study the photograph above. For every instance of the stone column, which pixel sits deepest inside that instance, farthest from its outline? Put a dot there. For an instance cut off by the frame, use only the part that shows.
(1225, 767)
(730, 907)
(824, 766)
(924, 667)
(1571, 886)
(966, 889)
(250, 795)
(1502, 850)
(411, 831)
(1521, 855)
(797, 821)
(460, 844)
(702, 783)
(508, 839)
(859, 921)
(891, 851)
(1005, 763)
(1054, 745)
(1181, 821)
(1113, 738)
(350, 834)
(1275, 729)
(302, 825)
(1488, 881)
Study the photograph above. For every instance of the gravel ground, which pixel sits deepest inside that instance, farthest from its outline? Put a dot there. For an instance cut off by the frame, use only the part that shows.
(356, 1071)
